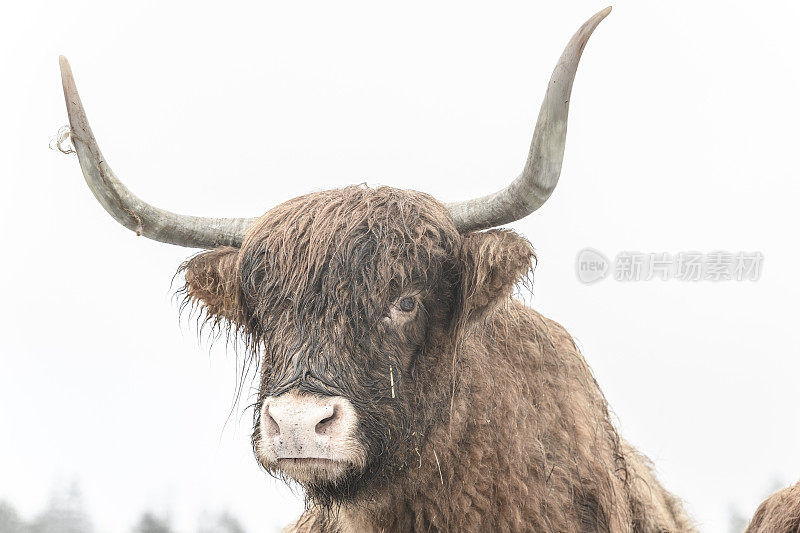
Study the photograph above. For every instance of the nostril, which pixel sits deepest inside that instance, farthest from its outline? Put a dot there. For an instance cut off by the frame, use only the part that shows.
(270, 425)
(324, 426)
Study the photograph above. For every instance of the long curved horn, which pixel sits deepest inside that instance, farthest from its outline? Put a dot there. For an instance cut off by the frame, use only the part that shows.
(538, 179)
(127, 208)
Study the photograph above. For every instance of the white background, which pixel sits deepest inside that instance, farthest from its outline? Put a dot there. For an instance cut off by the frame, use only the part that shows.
(683, 136)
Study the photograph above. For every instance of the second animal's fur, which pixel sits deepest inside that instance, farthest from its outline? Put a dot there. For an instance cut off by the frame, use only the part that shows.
(779, 513)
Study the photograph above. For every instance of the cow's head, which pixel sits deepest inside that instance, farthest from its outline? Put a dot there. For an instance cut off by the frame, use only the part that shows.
(352, 299)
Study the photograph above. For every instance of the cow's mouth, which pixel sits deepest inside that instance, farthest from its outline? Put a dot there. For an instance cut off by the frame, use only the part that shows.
(307, 462)
(312, 469)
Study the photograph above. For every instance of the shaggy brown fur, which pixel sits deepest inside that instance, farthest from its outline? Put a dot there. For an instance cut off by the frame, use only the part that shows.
(780, 513)
(497, 423)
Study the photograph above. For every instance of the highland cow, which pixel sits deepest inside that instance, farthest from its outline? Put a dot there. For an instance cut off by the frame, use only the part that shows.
(401, 384)
(780, 513)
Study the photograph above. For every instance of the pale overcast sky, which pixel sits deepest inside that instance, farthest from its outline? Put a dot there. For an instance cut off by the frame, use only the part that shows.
(683, 136)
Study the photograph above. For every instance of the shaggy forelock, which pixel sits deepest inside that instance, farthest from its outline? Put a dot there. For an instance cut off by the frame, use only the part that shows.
(332, 261)
(338, 256)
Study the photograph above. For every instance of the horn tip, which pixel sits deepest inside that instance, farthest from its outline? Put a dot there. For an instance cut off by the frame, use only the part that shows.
(77, 116)
(66, 73)
(63, 63)
(600, 15)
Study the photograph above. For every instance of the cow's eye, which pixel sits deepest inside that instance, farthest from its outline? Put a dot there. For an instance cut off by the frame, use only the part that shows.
(407, 304)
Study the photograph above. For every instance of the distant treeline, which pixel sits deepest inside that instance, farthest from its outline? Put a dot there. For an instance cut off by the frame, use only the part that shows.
(66, 513)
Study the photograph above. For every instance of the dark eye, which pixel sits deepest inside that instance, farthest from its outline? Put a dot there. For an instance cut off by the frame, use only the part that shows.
(406, 304)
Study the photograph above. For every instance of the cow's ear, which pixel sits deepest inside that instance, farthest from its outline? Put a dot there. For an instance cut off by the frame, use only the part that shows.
(492, 263)
(211, 283)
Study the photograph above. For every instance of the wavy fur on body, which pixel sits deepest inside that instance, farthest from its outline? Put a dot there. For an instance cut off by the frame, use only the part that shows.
(476, 413)
(780, 513)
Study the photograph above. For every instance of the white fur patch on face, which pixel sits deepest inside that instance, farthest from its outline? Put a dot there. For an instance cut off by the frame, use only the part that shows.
(308, 437)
